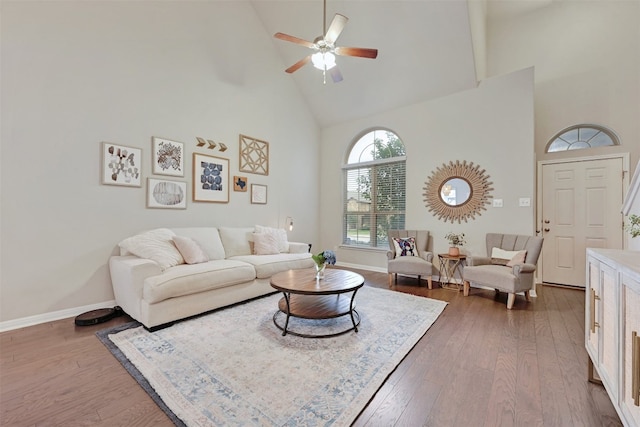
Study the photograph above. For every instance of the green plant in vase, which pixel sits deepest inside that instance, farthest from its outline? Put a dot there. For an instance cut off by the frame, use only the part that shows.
(321, 260)
(633, 227)
(455, 241)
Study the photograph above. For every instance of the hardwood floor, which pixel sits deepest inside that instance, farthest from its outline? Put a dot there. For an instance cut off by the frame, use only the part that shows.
(479, 365)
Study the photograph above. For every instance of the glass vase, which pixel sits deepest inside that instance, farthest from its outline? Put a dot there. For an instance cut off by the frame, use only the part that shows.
(320, 270)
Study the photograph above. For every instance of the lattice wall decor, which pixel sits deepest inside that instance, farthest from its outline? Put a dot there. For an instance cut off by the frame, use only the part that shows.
(479, 196)
(254, 155)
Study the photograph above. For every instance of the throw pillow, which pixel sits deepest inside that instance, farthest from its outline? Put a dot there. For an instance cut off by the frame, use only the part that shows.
(405, 246)
(517, 258)
(236, 240)
(156, 245)
(265, 244)
(279, 233)
(502, 257)
(190, 250)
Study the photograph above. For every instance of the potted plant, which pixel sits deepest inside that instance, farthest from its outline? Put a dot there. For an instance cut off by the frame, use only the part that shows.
(633, 227)
(455, 240)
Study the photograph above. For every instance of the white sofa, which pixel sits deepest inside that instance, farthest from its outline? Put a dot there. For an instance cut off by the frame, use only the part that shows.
(154, 284)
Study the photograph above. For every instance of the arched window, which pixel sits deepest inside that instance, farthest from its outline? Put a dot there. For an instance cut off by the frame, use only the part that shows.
(374, 189)
(582, 136)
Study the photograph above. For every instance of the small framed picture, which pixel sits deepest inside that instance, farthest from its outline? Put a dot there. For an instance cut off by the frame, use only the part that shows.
(240, 183)
(210, 179)
(167, 157)
(165, 194)
(258, 194)
(121, 165)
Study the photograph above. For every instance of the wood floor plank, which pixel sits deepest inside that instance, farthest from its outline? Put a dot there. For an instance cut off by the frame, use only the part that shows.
(479, 364)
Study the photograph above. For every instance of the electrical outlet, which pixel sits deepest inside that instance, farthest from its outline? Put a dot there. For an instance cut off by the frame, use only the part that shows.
(497, 203)
(524, 202)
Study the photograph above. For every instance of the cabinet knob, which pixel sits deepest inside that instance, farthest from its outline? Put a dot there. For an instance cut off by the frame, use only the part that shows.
(547, 229)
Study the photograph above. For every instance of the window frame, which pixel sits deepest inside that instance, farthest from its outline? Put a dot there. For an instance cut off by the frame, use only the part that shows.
(615, 141)
(373, 214)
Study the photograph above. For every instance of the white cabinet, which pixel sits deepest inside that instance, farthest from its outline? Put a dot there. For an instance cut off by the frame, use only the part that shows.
(612, 326)
(630, 399)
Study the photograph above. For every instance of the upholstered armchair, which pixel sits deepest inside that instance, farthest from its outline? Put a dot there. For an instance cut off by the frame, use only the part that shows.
(409, 255)
(509, 266)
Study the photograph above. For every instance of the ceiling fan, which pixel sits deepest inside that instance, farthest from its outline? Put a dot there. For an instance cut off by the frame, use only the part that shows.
(325, 49)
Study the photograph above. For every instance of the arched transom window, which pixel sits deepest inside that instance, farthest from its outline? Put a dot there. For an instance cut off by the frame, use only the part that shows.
(580, 137)
(374, 189)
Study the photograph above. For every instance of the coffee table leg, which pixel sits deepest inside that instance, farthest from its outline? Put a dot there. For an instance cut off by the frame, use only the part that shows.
(286, 323)
(353, 297)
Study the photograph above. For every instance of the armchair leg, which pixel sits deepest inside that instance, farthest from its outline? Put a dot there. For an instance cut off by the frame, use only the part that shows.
(467, 285)
(527, 296)
(510, 300)
(419, 280)
(390, 280)
(429, 282)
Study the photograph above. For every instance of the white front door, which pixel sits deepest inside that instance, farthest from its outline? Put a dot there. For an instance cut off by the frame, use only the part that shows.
(581, 203)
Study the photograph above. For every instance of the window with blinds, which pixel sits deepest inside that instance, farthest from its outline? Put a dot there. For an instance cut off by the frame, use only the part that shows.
(374, 189)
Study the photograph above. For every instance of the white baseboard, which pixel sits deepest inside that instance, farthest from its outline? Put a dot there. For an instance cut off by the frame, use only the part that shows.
(23, 322)
(362, 267)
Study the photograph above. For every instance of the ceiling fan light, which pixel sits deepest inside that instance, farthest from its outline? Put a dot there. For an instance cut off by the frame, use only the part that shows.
(323, 60)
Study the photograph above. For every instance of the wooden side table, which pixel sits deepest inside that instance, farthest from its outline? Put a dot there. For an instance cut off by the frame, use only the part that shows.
(449, 264)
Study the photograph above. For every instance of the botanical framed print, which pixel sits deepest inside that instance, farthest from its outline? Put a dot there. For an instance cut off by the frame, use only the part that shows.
(210, 179)
(121, 165)
(165, 194)
(167, 157)
(240, 183)
(258, 194)
(254, 155)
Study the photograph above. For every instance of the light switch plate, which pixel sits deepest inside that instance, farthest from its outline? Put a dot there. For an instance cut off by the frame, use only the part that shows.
(524, 202)
(497, 203)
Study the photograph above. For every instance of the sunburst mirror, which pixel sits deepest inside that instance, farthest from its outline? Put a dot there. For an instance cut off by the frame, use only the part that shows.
(457, 191)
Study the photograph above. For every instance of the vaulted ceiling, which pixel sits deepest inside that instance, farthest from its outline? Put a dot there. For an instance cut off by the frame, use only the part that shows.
(424, 52)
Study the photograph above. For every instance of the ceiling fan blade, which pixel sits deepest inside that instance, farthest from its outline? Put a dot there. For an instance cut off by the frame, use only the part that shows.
(361, 52)
(292, 39)
(336, 75)
(335, 28)
(299, 64)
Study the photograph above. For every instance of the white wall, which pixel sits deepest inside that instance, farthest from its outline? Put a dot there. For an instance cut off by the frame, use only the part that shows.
(587, 60)
(75, 74)
(491, 126)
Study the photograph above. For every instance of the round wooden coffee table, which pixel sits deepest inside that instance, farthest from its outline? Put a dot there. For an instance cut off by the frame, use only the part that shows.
(309, 298)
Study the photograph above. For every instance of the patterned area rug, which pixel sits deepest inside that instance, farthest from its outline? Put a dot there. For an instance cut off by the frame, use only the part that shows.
(234, 367)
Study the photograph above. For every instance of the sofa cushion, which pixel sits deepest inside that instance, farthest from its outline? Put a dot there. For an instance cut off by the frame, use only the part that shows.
(265, 244)
(517, 258)
(188, 279)
(156, 245)
(405, 246)
(268, 265)
(190, 250)
(496, 276)
(207, 237)
(278, 233)
(236, 240)
(502, 257)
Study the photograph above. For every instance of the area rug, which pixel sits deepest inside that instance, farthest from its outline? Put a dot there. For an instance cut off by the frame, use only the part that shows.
(234, 367)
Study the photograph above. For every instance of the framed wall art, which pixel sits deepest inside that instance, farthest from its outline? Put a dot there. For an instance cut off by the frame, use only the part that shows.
(165, 194)
(258, 194)
(254, 155)
(121, 165)
(210, 179)
(240, 183)
(167, 157)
